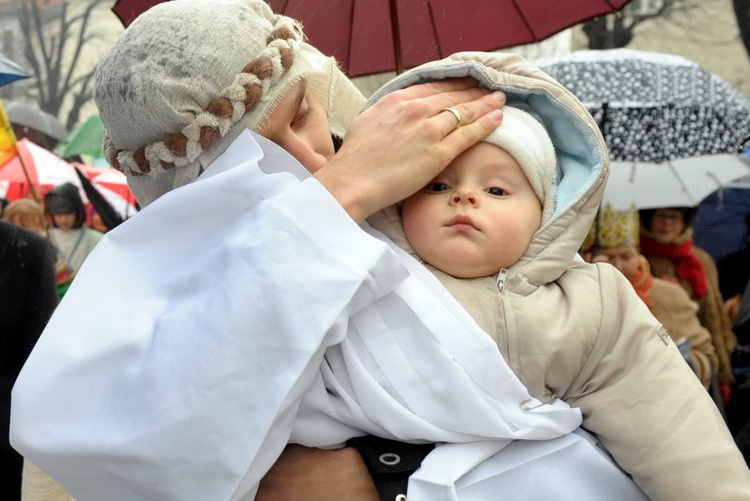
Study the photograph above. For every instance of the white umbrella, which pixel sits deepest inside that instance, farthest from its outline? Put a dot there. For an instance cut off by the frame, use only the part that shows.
(34, 118)
(677, 183)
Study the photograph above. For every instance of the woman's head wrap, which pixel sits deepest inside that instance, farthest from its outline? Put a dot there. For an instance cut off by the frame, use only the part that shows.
(188, 76)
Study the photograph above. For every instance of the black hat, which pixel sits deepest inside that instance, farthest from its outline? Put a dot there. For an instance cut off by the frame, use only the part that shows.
(65, 199)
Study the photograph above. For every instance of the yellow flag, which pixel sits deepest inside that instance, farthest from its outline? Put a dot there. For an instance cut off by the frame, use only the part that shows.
(7, 137)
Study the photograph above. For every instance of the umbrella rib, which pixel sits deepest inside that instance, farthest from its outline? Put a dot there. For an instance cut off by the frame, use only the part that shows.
(433, 24)
(396, 36)
(351, 36)
(716, 180)
(682, 183)
(523, 18)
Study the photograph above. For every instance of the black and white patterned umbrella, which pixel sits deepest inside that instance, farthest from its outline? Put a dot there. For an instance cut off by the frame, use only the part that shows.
(654, 107)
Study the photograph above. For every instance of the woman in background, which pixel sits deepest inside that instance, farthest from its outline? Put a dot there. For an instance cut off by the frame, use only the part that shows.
(69, 234)
(29, 214)
(667, 242)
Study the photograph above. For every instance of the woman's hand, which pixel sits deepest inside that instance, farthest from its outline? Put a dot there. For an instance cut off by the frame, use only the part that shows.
(402, 142)
(317, 474)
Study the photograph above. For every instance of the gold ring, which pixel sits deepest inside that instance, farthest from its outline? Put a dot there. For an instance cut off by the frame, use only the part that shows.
(456, 114)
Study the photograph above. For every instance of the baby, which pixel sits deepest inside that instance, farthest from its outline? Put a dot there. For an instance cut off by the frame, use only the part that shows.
(500, 226)
(479, 215)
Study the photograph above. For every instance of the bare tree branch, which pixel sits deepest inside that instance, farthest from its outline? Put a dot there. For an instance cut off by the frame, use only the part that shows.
(54, 42)
(616, 30)
(83, 19)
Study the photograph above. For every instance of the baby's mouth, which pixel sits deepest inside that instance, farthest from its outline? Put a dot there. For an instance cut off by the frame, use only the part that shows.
(462, 223)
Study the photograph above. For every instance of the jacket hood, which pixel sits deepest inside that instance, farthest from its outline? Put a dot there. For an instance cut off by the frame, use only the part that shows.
(583, 163)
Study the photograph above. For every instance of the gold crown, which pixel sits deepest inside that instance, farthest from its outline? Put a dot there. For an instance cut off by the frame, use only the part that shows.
(613, 228)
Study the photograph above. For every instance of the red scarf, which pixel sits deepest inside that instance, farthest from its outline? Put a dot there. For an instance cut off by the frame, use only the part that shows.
(686, 262)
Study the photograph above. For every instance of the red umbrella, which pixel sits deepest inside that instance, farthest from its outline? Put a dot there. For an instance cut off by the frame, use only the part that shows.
(128, 10)
(111, 179)
(369, 36)
(374, 36)
(46, 170)
(32, 163)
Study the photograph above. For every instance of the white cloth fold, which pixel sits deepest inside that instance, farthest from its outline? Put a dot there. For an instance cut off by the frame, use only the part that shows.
(241, 310)
(571, 467)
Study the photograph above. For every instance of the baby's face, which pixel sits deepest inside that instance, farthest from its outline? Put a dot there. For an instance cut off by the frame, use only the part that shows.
(476, 217)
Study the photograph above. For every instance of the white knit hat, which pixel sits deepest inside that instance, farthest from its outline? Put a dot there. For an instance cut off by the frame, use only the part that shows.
(188, 76)
(525, 138)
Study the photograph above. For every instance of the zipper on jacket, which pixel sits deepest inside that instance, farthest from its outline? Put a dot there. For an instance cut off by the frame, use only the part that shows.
(501, 277)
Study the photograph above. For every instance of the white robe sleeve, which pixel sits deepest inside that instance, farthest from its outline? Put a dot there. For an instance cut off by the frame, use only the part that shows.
(174, 367)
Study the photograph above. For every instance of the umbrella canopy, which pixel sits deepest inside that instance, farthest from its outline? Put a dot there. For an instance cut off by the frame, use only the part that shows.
(720, 227)
(112, 184)
(46, 170)
(34, 124)
(33, 163)
(368, 36)
(85, 139)
(375, 36)
(674, 183)
(124, 205)
(653, 107)
(109, 216)
(10, 71)
(127, 10)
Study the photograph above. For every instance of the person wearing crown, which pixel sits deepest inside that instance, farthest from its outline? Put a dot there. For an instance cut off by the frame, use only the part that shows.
(614, 238)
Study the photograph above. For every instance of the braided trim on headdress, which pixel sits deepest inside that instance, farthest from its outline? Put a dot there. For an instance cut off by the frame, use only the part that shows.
(223, 111)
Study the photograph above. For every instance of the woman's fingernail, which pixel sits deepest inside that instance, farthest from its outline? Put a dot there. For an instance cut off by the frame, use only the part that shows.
(499, 95)
(496, 115)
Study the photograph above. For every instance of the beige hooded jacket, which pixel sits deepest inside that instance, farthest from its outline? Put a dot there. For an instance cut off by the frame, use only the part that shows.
(578, 331)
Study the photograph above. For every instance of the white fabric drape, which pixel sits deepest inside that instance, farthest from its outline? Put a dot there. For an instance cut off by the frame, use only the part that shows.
(191, 346)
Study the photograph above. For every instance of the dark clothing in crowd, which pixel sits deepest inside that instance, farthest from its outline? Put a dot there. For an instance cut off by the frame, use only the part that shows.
(28, 296)
(734, 272)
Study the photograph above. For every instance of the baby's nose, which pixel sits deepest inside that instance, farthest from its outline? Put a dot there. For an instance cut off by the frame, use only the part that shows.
(464, 195)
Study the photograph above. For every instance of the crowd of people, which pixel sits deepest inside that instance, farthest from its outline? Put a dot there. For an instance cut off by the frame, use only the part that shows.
(43, 245)
(320, 285)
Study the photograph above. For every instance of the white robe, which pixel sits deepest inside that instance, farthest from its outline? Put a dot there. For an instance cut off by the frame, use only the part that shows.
(190, 350)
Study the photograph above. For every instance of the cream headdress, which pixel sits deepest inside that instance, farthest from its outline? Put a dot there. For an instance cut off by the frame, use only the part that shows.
(188, 76)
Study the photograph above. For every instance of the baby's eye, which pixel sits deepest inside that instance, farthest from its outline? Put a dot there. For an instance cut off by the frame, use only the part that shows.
(436, 187)
(498, 192)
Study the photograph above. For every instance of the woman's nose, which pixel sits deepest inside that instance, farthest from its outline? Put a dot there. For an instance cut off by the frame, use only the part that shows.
(306, 154)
